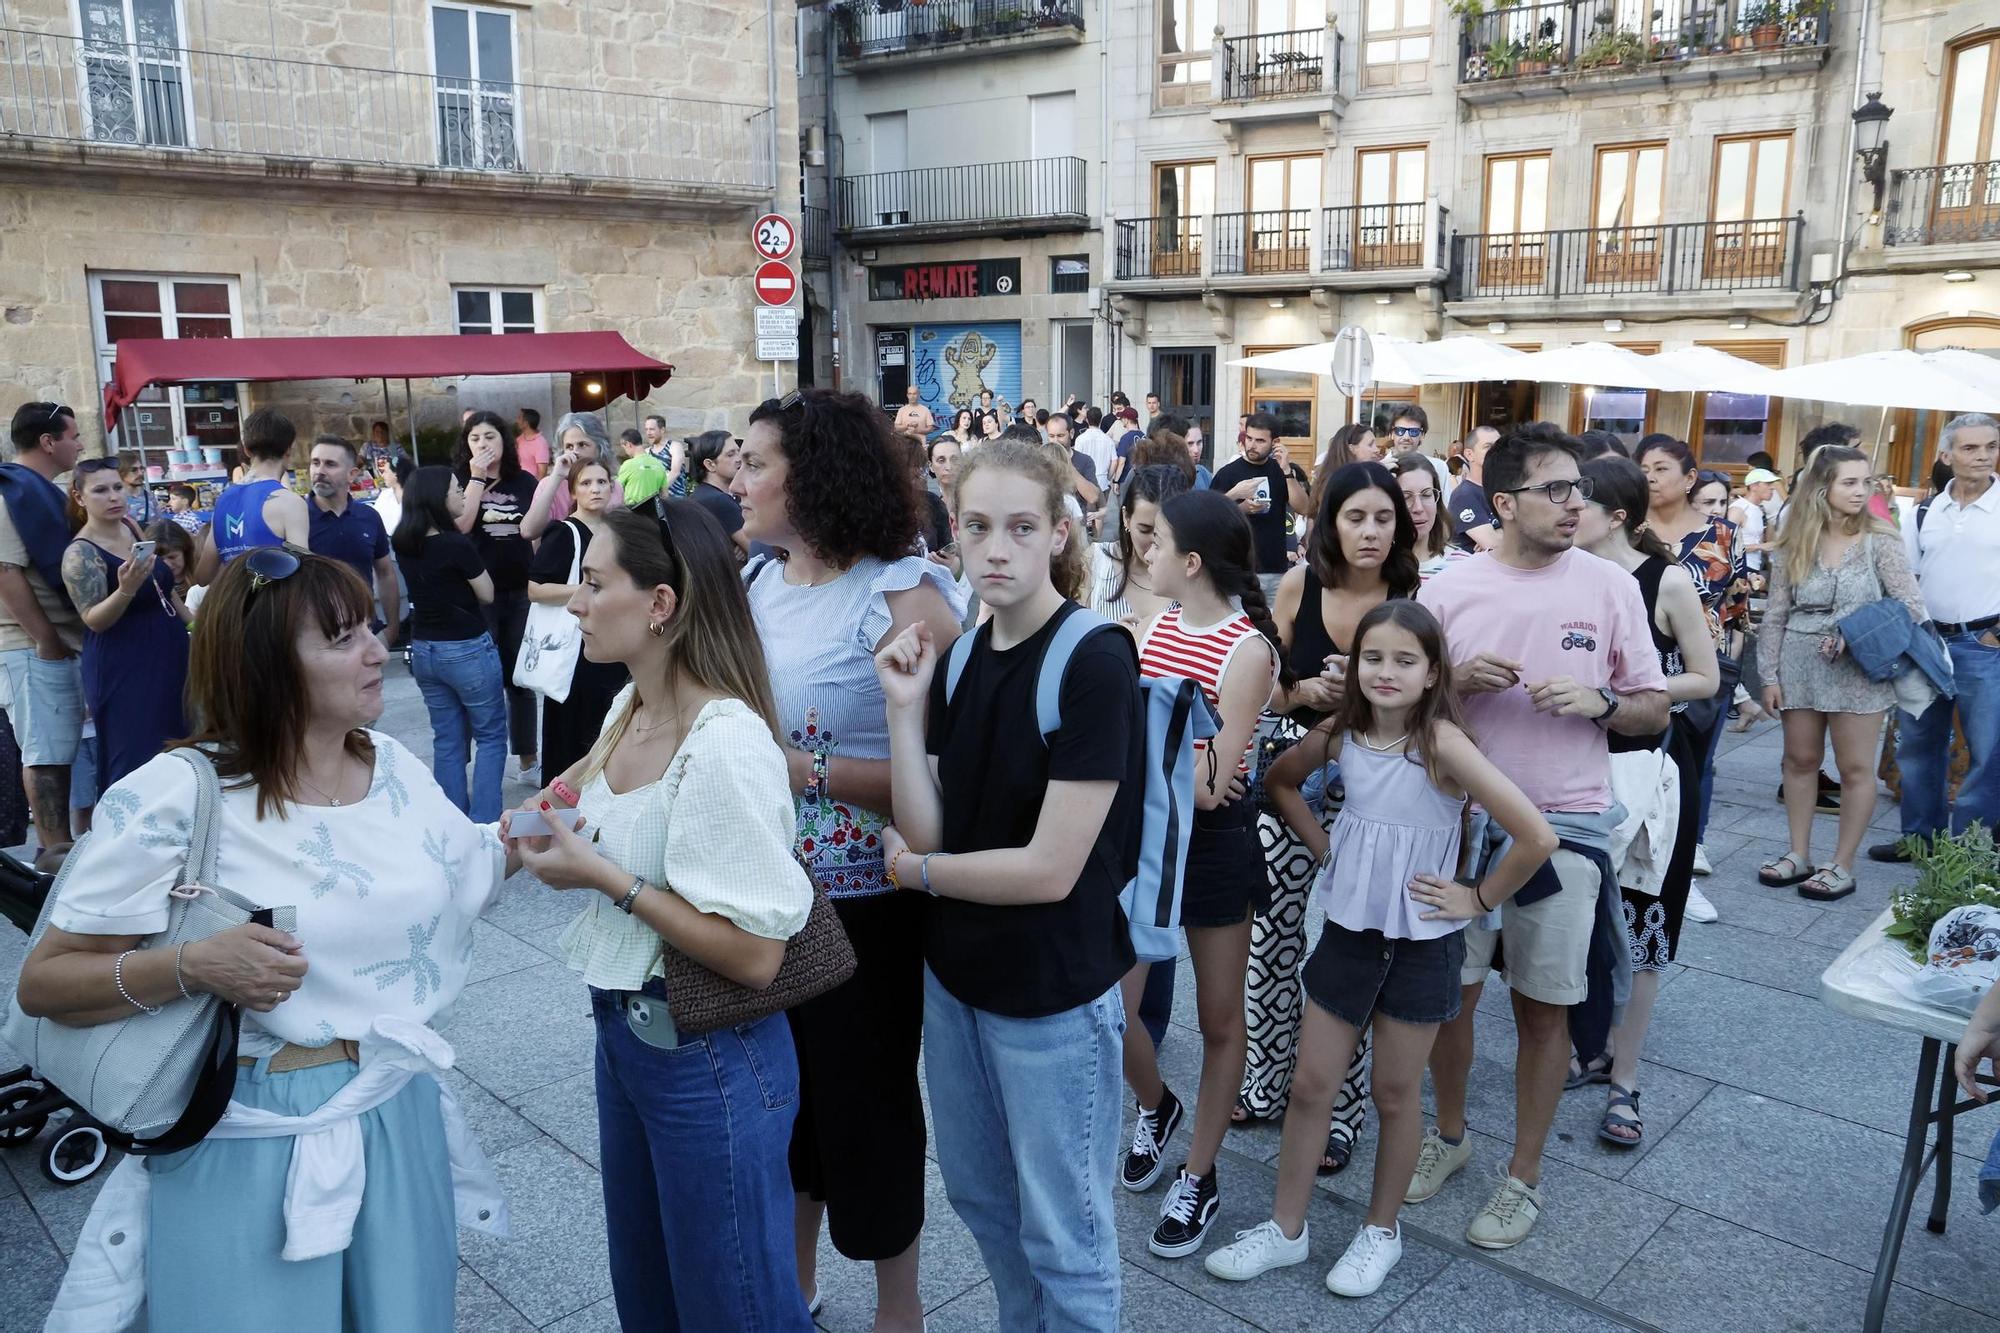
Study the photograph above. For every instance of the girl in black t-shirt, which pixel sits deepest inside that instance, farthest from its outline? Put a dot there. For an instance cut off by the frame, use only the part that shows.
(498, 492)
(1024, 843)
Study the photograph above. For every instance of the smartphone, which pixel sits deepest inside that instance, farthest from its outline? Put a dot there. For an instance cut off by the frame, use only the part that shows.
(1264, 492)
(141, 550)
(533, 823)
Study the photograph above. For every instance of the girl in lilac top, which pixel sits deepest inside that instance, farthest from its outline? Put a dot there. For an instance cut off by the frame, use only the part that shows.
(1393, 945)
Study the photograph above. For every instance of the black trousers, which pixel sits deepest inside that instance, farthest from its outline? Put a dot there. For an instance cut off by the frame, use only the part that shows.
(507, 621)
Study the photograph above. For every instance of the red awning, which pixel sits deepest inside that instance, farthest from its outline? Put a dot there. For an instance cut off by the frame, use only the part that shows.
(604, 358)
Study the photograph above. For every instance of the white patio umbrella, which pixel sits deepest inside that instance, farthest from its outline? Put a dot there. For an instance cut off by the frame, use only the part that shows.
(1602, 364)
(1403, 360)
(1885, 380)
(1713, 370)
(1978, 369)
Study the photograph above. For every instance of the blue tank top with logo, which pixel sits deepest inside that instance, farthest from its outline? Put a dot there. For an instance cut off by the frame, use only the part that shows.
(239, 519)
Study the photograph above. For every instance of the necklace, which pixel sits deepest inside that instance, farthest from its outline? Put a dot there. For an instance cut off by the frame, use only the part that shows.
(1384, 748)
(319, 791)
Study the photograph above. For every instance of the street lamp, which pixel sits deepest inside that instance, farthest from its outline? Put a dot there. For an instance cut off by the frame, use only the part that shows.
(1871, 148)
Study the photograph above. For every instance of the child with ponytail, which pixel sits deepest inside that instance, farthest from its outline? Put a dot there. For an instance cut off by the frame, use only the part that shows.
(1217, 631)
(1023, 843)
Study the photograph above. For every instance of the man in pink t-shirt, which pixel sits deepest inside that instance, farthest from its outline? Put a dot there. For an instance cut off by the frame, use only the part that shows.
(529, 446)
(1550, 652)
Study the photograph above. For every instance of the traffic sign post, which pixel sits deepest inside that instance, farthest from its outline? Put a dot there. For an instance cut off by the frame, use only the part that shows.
(1353, 365)
(774, 236)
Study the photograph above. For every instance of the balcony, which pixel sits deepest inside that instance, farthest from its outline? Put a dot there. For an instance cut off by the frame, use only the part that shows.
(876, 34)
(1684, 267)
(117, 107)
(1564, 48)
(1943, 216)
(818, 236)
(1349, 246)
(1276, 76)
(1025, 198)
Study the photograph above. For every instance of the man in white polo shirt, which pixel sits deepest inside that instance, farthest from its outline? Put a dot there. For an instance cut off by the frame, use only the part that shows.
(1954, 543)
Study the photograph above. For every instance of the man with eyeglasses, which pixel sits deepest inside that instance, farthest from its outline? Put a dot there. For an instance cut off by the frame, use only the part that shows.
(1551, 651)
(41, 633)
(1473, 528)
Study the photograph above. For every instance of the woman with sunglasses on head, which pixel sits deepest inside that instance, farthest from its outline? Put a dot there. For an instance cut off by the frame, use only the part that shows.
(824, 481)
(452, 653)
(135, 643)
(685, 844)
(348, 1221)
(498, 495)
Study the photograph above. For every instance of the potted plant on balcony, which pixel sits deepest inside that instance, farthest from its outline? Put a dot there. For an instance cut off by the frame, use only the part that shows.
(1503, 58)
(1011, 21)
(1763, 20)
(1542, 54)
(847, 30)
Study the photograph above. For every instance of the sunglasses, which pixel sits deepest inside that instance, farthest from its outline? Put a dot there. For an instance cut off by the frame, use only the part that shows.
(1407, 432)
(93, 465)
(270, 564)
(52, 421)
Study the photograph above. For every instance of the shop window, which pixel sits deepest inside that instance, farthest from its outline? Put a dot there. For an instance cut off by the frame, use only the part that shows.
(1290, 396)
(1729, 427)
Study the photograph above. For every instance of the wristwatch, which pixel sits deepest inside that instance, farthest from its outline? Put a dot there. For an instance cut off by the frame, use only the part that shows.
(1610, 706)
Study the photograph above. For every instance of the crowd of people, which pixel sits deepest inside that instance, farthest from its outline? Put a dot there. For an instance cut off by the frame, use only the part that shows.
(850, 675)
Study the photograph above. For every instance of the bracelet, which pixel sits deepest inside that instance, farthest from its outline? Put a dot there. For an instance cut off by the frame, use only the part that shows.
(118, 979)
(631, 895)
(1479, 896)
(895, 861)
(185, 993)
(924, 869)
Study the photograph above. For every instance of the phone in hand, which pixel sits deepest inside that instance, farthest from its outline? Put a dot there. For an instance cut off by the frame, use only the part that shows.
(142, 551)
(533, 823)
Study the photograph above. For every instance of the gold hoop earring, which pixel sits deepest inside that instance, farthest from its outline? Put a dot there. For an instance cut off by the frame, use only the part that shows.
(658, 628)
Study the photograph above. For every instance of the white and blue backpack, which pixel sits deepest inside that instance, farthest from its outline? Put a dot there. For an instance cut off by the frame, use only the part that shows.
(1176, 714)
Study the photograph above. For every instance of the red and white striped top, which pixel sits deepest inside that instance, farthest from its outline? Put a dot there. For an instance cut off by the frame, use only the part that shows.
(1202, 655)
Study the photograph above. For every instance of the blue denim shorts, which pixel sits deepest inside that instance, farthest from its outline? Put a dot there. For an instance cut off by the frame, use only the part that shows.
(1356, 974)
(45, 704)
(1224, 879)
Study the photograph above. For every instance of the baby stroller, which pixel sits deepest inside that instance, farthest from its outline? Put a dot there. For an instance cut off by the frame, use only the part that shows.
(78, 1149)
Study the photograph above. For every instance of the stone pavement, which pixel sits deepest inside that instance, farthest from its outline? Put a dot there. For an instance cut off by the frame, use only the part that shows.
(1773, 1136)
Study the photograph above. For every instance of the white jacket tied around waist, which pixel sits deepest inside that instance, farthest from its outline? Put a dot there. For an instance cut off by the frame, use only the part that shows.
(105, 1288)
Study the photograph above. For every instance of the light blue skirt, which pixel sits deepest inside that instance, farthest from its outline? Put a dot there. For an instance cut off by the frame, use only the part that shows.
(218, 1225)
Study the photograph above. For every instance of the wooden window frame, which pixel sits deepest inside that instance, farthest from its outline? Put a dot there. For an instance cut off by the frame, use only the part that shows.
(1184, 93)
(1902, 448)
(1183, 260)
(1636, 259)
(1308, 394)
(1514, 260)
(1384, 244)
(1579, 420)
(1399, 68)
(1280, 244)
(1991, 107)
(1768, 352)
(1750, 247)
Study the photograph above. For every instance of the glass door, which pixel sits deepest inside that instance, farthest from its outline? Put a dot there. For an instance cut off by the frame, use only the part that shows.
(1184, 195)
(1746, 238)
(1625, 240)
(1966, 204)
(1515, 250)
(1389, 224)
(472, 57)
(134, 72)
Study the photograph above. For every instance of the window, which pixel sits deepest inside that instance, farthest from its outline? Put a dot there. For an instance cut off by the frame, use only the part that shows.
(1517, 219)
(134, 72)
(1916, 439)
(1729, 427)
(1183, 197)
(149, 305)
(496, 310)
(1747, 202)
(472, 57)
(1187, 47)
(1270, 16)
(1966, 205)
(1389, 223)
(1627, 413)
(1069, 274)
(1628, 192)
(1395, 43)
(1287, 395)
(1283, 194)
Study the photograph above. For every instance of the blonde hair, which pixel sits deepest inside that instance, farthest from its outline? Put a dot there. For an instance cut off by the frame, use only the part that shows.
(1810, 516)
(1037, 463)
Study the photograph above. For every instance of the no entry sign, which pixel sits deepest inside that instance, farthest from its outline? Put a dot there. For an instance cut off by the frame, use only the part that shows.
(776, 284)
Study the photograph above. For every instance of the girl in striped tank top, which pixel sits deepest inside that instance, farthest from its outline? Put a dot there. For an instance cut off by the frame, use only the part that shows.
(1217, 632)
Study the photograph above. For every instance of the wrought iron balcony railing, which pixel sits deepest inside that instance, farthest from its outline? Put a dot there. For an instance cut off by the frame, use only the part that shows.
(1565, 36)
(1361, 238)
(206, 102)
(818, 235)
(1946, 205)
(1352, 238)
(889, 27)
(1665, 259)
(1039, 191)
(1158, 247)
(1280, 64)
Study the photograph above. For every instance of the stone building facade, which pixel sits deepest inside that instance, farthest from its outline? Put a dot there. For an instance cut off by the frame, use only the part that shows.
(205, 168)
(1657, 175)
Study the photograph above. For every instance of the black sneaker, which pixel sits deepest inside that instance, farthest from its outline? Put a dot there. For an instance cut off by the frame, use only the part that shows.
(1144, 1161)
(1828, 801)
(1893, 852)
(1184, 1217)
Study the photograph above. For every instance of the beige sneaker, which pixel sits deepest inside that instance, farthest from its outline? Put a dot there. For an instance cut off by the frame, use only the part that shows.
(1508, 1216)
(1436, 1161)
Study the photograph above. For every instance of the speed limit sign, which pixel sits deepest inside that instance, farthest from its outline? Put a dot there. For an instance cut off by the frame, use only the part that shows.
(774, 236)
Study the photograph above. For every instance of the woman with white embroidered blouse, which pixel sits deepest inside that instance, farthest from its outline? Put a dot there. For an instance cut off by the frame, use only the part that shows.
(686, 837)
(288, 677)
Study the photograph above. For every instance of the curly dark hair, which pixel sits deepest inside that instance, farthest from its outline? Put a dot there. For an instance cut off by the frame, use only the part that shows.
(848, 488)
(461, 454)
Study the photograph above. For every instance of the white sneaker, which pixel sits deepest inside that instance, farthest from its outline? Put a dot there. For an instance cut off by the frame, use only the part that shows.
(1701, 865)
(1699, 908)
(1367, 1262)
(1258, 1251)
(1435, 1163)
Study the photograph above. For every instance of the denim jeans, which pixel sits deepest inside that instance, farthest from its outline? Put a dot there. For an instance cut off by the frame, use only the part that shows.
(697, 1195)
(1027, 1113)
(460, 679)
(1923, 750)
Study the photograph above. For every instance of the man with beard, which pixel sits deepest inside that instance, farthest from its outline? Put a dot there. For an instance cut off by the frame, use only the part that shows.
(350, 533)
(1267, 495)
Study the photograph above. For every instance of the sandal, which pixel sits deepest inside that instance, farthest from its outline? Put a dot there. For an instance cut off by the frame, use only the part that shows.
(1784, 872)
(1339, 1148)
(1597, 1070)
(1627, 1100)
(1241, 1114)
(1828, 884)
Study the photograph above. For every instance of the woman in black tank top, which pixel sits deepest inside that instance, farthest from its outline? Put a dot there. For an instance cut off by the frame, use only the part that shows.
(1362, 552)
(1612, 527)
